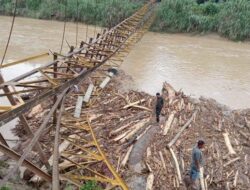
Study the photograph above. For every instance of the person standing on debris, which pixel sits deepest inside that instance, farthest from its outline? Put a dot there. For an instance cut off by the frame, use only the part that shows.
(196, 164)
(158, 107)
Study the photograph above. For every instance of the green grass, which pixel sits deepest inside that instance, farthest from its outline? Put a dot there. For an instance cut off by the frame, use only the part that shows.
(101, 12)
(230, 19)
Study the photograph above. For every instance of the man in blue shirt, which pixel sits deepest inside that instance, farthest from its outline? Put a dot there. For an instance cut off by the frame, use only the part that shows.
(196, 164)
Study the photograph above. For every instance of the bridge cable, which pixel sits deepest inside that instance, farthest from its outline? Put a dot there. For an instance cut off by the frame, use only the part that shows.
(11, 29)
(95, 6)
(77, 18)
(64, 27)
(87, 26)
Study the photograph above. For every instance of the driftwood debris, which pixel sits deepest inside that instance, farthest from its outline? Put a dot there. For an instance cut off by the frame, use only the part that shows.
(228, 143)
(168, 123)
(177, 166)
(181, 130)
(119, 118)
(125, 159)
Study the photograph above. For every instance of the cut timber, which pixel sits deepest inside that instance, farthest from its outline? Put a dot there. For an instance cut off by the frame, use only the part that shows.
(136, 127)
(202, 181)
(231, 161)
(113, 132)
(162, 160)
(134, 103)
(168, 123)
(121, 136)
(177, 167)
(228, 143)
(181, 131)
(150, 181)
(106, 80)
(78, 108)
(236, 179)
(125, 159)
(88, 93)
(144, 132)
(142, 107)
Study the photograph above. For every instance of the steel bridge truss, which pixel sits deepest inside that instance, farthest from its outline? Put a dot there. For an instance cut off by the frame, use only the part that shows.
(77, 156)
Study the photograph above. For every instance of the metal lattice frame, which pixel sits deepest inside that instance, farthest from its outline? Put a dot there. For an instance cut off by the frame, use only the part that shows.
(110, 48)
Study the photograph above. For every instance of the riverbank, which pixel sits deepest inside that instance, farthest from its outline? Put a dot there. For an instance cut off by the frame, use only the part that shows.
(229, 19)
(106, 13)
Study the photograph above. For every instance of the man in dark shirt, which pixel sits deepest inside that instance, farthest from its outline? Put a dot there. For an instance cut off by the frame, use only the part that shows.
(158, 106)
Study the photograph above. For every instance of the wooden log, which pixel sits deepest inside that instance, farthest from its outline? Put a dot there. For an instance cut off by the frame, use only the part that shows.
(172, 142)
(113, 132)
(231, 161)
(236, 179)
(134, 103)
(121, 136)
(144, 132)
(162, 160)
(177, 167)
(88, 93)
(202, 182)
(137, 127)
(168, 123)
(228, 143)
(149, 153)
(125, 159)
(78, 108)
(106, 80)
(142, 107)
(150, 181)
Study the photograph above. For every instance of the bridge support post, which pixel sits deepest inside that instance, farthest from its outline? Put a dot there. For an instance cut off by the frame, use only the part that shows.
(27, 128)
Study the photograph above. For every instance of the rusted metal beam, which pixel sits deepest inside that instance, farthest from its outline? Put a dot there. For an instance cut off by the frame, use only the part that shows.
(34, 139)
(15, 156)
(25, 124)
(24, 60)
(55, 171)
(8, 116)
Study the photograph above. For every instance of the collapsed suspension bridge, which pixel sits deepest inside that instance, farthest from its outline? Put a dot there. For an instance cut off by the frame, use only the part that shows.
(57, 81)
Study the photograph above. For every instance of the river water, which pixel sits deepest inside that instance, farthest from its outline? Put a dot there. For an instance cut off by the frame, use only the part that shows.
(207, 65)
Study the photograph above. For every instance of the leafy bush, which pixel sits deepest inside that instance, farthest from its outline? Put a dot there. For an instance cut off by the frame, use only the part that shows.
(101, 12)
(234, 20)
(230, 18)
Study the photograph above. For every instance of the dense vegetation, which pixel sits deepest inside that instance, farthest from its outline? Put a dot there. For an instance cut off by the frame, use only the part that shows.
(101, 12)
(230, 18)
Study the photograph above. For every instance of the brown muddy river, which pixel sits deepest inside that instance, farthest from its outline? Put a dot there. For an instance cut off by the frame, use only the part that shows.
(207, 65)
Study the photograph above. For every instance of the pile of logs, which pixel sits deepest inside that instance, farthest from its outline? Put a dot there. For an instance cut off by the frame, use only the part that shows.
(225, 132)
(121, 117)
